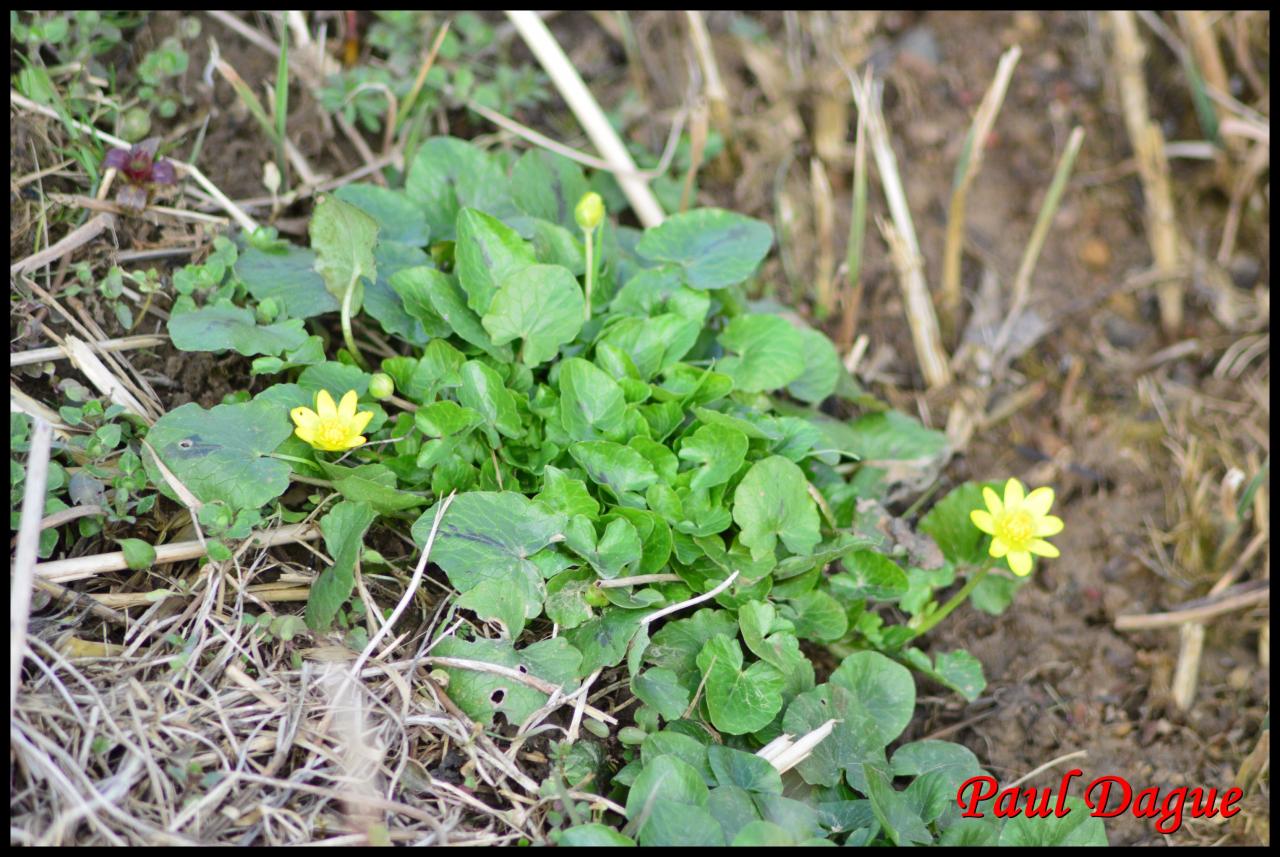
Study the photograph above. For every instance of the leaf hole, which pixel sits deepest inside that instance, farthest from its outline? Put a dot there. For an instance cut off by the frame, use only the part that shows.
(522, 669)
(497, 696)
(185, 443)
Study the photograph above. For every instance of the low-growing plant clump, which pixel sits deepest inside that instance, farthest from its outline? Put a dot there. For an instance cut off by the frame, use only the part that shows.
(618, 463)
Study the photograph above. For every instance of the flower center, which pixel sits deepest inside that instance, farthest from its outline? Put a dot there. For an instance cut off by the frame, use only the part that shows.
(332, 433)
(1016, 529)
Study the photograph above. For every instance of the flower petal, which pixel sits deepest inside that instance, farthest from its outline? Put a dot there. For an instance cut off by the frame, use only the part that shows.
(1020, 563)
(1013, 496)
(359, 421)
(1049, 525)
(1043, 548)
(325, 406)
(303, 416)
(355, 441)
(347, 407)
(992, 499)
(306, 433)
(983, 520)
(1039, 501)
(998, 548)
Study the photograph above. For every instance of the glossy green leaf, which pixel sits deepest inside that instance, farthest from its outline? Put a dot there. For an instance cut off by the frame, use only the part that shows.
(548, 186)
(488, 253)
(287, 275)
(447, 174)
(822, 368)
(482, 391)
(716, 248)
(772, 501)
(397, 217)
(540, 305)
(450, 303)
(591, 403)
(343, 527)
(488, 535)
(739, 701)
(482, 695)
(343, 237)
(767, 353)
(717, 451)
(222, 328)
(948, 524)
(614, 466)
(222, 453)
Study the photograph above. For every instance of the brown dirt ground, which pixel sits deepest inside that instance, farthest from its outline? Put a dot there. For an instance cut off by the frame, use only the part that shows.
(1126, 439)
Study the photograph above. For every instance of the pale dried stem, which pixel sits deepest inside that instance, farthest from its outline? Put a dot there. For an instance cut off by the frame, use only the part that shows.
(925, 334)
(249, 34)
(1198, 30)
(852, 298)
(697, 147)
(150, 212)
(786, 754)
(581, 705)
(24, 561)
(68, 244)
(107, 382)
(904, 246)
(1187, 673)
(717, 95)
(706, 596)
(639, 580)
(971, 158)
(1229, 600)
(824, 221)
(141, 389)
(126, 343)
(538, 139)
(410, 591)
(1078, 754)
(1153, 167)
(20, 402)
(526, 679)
(78, 568)
(1256, 163)
(1031, 253)
(587, 110)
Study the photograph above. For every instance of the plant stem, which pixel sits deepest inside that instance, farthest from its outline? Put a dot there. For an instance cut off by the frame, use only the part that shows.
(956, 600)
(294, 458)
(588, 235)
(346, 323)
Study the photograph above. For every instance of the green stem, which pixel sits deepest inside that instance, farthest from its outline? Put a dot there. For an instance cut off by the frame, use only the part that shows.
(284, 457)
(588, 235)
(956, 600)
(307, 480)
(346, 324)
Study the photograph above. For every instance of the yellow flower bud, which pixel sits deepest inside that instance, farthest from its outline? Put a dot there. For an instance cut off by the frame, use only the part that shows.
(381, 386)
(589, 211)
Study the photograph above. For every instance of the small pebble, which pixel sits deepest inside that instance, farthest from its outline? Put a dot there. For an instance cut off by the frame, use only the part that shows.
(1245, 271)
(1095, 254)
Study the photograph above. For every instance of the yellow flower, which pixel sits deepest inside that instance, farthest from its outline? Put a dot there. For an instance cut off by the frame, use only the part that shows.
(1018, 525)
(331, 428)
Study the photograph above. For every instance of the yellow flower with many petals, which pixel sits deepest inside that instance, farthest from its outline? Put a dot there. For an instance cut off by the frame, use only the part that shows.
(331, 428)
(1018, 525)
